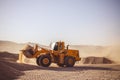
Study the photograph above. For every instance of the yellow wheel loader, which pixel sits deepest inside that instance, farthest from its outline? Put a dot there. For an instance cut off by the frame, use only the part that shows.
(57, 54)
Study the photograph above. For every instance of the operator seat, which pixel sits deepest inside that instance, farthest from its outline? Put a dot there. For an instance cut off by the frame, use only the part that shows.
(56, 47)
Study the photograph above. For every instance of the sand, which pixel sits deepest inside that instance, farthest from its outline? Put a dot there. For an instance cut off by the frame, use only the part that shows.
(10, 70)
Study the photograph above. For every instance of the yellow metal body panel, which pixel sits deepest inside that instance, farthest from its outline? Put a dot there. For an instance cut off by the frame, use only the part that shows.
(73, 53)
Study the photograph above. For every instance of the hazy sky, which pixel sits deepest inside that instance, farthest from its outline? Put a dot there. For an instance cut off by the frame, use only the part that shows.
(73, 21)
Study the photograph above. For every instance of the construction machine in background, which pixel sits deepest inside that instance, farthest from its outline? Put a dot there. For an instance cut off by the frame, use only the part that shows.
(57, 54)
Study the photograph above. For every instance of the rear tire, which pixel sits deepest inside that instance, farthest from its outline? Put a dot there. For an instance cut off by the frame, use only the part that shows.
(69, 61)
(44, 60)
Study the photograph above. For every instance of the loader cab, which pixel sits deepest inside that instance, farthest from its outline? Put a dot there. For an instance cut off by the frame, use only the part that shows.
(57, 46)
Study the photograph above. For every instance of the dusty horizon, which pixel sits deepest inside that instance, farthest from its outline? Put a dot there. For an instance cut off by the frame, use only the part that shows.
(47, 44)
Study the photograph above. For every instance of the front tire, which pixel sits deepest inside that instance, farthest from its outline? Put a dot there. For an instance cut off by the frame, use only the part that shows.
(69, 61)
(44, 60)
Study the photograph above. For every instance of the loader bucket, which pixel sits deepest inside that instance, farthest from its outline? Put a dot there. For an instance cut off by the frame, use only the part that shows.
(22, 56)
(26, 52)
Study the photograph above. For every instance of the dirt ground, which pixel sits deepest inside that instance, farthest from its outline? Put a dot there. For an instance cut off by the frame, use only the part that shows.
(84, 72)
(10, 70)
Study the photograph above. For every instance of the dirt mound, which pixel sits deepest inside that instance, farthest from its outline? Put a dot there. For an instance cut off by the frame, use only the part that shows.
(96, 60)
(111, 52)
(6, 69)
(9, 69)
(8, 72)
